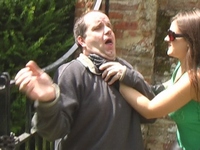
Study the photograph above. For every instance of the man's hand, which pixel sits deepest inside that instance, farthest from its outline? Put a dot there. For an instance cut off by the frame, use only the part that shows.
(37, 84)
(112, 71)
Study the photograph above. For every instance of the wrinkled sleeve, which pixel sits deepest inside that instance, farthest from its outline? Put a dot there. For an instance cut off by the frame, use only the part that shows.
(53, 120)
(157, 88)
(135, 80)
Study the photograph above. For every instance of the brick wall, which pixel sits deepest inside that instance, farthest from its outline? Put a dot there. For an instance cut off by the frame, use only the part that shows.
(140, 26)
(134, 24)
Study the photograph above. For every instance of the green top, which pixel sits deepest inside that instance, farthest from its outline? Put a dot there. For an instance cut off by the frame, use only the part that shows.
(187, 119)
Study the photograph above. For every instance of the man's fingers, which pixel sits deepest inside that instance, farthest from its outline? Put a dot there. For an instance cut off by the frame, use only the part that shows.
(32, 67)
(22, 75)
(35, 68)
(23, 84)
(21, 72)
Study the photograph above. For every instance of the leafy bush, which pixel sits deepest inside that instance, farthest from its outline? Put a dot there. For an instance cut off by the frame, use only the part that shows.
(34, 29)
(39, 30)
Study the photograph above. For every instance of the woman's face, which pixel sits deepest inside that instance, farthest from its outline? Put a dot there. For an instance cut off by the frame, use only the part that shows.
(177, 48)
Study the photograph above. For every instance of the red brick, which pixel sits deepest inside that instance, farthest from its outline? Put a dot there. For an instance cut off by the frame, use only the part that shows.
(120, 6)
(126, 25)
(115, 15)
(132, 33)
(118, 34)
(80, 4)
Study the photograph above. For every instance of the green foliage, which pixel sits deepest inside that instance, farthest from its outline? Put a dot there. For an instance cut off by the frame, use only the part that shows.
(18, 113)
(39, 30)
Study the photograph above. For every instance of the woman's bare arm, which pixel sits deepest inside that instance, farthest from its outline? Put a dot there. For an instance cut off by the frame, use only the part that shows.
(165, 102)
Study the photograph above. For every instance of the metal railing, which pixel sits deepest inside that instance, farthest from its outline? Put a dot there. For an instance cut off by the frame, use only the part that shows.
(8, 140)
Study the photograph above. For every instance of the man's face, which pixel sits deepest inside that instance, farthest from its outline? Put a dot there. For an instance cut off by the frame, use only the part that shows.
(99, 37)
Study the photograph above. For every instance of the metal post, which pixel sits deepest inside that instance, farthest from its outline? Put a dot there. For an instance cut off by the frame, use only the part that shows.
(107, 7)
(4, 104)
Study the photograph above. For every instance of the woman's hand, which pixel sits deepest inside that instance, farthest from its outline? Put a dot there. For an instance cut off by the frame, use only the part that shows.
(112, 71)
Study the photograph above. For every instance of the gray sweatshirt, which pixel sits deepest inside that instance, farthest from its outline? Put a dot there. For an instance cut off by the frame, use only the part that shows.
(88, 113)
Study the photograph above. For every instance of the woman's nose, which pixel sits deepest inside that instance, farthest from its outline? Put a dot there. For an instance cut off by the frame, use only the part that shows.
(166, 39)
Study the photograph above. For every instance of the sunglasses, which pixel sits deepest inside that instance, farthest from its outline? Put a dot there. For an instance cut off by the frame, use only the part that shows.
(172, 35)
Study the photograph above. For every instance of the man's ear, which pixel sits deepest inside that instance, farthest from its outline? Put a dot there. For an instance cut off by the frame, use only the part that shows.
(81, 41)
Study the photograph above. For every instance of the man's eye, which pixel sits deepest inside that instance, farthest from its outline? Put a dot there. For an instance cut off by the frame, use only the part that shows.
(109, 25)
(97, 28)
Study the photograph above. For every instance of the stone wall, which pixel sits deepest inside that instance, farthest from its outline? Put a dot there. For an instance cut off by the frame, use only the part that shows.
(140, 27)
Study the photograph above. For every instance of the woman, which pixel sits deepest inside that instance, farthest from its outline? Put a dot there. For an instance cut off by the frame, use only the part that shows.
(181, 99)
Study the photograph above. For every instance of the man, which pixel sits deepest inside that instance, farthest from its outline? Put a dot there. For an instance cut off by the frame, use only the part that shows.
(79, 109)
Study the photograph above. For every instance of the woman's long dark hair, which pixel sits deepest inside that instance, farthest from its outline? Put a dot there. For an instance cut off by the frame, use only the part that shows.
(189, 25)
